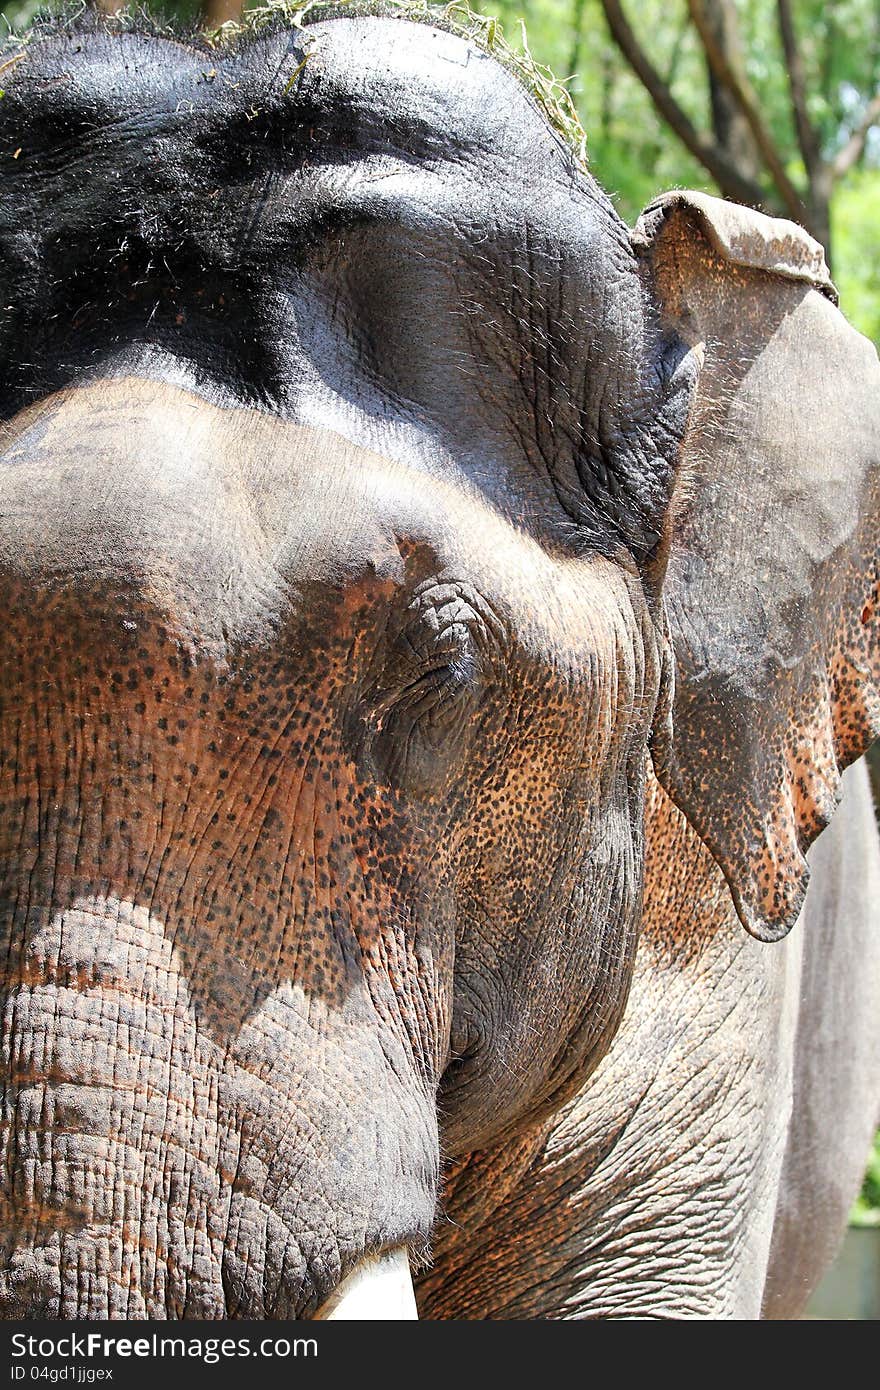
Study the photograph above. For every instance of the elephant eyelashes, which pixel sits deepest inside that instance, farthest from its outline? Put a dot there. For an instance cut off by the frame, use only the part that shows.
(430, 696)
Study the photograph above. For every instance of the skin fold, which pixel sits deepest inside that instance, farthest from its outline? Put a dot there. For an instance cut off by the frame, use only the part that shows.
(707, 1167)
(414, 586)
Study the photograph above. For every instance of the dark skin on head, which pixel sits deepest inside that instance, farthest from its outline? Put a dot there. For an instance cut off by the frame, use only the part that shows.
(349, 544)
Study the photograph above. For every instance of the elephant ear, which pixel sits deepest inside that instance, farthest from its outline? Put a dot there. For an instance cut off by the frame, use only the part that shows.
(771, 583)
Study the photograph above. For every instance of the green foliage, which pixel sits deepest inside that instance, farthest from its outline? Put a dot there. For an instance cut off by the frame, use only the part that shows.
(856, 214)
(866, 1211)
(19, 15)
(629, 150)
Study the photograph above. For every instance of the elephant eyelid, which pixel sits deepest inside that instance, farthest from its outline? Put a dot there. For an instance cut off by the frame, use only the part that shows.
(438, 679)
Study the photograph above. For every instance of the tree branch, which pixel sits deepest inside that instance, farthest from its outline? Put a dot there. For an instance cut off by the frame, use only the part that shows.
(855, 145)
(675, 56)
(577, 30)
(806, 135)
(712, 157)
(739, 88)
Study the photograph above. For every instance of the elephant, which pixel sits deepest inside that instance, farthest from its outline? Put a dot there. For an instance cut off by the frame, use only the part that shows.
(439, 620)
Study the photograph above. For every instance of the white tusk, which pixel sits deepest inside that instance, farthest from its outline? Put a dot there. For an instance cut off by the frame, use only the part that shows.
(380, 1287)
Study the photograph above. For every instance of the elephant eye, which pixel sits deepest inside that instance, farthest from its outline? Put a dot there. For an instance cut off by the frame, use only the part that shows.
(424, 688)
(416, 716)
(432, 691)
(416, 733)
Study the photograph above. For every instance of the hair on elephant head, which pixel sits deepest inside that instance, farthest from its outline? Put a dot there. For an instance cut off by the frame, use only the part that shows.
(370, 501)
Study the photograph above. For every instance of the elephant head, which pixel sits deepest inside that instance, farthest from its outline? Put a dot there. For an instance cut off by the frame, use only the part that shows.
(371, 501)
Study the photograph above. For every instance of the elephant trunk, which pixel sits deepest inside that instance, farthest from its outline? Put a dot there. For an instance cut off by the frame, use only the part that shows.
(209, 1110)
(153, 1171)
(112, 1165)
(220, 1062)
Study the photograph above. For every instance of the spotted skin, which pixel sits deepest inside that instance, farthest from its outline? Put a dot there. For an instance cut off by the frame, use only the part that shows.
(336, 634)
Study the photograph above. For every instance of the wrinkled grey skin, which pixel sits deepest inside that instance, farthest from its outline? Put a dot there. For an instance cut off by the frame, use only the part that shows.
(415, 585)
(836, 1055)
(707, 1168)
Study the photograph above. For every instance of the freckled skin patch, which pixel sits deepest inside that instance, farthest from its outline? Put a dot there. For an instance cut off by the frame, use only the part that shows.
(641, 1196)
(334, 638)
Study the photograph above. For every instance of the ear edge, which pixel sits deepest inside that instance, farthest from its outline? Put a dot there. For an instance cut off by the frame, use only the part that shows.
(740, 236)
(783, 850)
(835, 741)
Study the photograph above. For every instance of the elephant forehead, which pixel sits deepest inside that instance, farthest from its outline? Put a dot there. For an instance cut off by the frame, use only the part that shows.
(331, 213)
(408, 82)
(229, 521)
(425, 82)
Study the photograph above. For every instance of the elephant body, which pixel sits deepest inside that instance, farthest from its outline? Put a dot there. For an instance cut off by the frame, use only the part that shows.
(433, 615)
(729, 1117)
